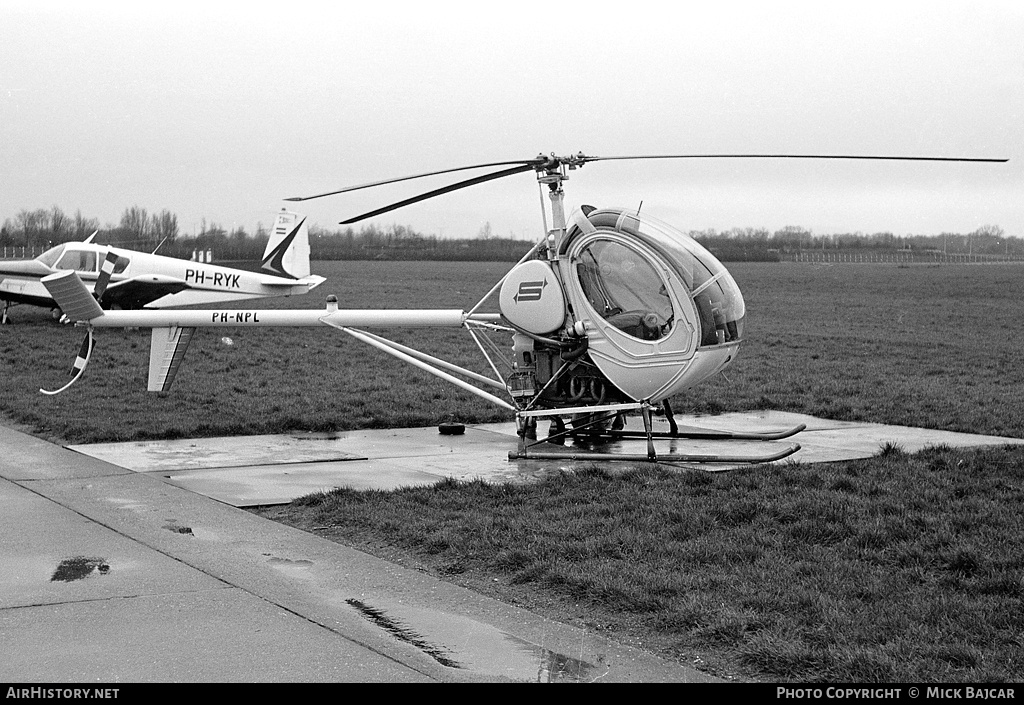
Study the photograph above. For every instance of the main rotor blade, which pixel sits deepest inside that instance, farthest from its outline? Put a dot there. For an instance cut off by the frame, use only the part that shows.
(446, 189)
(553, 162)
(583, 158)
(531, 162)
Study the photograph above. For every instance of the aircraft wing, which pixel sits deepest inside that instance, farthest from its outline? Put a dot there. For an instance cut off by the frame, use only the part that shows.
(24, 268)
(139, 291)
(312, 281)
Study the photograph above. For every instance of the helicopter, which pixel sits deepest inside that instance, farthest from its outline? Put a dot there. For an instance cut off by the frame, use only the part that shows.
(609, 315)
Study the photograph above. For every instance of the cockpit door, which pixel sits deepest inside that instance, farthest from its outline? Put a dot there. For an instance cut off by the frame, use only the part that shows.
(640, 327)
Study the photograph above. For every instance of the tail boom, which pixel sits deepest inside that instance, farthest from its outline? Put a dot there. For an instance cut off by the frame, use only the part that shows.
(294, 318)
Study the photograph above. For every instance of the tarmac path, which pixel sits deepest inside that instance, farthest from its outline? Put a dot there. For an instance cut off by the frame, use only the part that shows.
(109, 575)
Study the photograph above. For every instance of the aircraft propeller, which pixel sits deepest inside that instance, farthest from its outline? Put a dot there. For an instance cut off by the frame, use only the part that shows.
(85, 351)
(106, 269)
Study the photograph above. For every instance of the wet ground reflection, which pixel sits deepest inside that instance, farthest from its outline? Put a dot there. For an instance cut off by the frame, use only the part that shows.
(78, 568)
(460, 642)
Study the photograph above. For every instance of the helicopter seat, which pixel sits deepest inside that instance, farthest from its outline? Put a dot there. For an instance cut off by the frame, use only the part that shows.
(644, 325)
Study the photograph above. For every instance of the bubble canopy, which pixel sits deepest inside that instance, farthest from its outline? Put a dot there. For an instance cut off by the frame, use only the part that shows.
(712, 289)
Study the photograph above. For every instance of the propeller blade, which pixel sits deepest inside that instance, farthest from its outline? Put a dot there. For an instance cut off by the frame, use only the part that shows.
(532, 162)
(106, 269)
(446, 189)
(84, 353)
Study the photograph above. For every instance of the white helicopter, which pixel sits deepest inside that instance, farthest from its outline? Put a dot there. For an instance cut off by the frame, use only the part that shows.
(126, 279)
(608, 316)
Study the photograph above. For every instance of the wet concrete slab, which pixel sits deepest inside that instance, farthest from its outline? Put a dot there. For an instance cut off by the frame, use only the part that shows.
(52, 555)
(241, 451)
(825, 440)
(83, 601)
(263, 470)
(157, 583)
(223, 636)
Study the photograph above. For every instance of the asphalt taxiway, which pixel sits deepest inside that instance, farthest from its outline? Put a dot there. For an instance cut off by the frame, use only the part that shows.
(135, 563)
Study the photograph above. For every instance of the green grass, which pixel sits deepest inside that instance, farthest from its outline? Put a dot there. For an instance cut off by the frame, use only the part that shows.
(266, 381)
(919, 346)
(903, 567)
(893, 569)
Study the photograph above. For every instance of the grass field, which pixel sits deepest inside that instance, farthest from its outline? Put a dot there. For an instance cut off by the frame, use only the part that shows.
(897, 568)
(266, 380)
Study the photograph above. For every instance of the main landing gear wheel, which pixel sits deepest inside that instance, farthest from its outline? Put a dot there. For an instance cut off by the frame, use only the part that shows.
(451, 428)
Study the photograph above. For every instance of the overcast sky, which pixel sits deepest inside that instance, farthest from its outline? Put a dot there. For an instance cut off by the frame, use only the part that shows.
(219, 110)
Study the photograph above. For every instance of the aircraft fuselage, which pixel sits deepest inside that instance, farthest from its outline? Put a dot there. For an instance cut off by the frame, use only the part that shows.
(142, 280)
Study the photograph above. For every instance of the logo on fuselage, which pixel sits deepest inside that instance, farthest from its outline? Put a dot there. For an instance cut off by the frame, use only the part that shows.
(530, 291)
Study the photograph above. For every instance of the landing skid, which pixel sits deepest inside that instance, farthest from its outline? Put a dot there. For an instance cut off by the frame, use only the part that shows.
(594, 431)
(712, 435)
(656, 458)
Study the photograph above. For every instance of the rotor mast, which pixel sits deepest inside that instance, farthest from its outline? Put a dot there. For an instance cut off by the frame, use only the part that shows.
(552, 172)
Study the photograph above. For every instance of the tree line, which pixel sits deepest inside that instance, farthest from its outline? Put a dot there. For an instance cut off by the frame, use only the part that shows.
(47, 227)
(140, 229)
(762, 244)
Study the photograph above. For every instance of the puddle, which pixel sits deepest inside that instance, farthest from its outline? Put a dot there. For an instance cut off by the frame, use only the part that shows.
(396, 629)
(467, 644)
(177, 528)
(128, 504)
(289, 565)
(316, 436)
(79, 568)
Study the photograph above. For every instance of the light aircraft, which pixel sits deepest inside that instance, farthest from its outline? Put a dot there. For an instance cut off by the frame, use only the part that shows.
(610, 314)
(125, 279)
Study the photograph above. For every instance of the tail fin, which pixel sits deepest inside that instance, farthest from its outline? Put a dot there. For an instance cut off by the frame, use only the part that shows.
(287, 253)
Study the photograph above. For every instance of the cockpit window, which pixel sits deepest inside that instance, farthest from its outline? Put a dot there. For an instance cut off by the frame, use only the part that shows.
(78, 260)
(51, 255)
(715, 294)
(623, 287)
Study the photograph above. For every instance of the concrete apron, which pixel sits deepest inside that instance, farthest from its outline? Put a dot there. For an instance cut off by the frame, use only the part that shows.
(109, 575)
(275, 469)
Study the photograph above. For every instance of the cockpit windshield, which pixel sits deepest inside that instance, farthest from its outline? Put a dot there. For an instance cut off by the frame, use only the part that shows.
(50, 257)
(715, 294)
(624, 288)
(65, 257)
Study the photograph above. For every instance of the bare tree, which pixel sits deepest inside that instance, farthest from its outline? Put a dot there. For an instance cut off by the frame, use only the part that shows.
(58, 225)
(164, 226)
(135, 222)
(34, 226)
(7, 233)
(83, 227)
